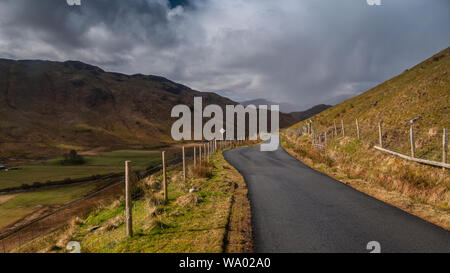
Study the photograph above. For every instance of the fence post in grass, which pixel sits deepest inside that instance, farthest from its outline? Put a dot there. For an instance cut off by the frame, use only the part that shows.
(129, 218)
(164, 176)
(343, 129)
(357, 129)
(335, 129)
(413, 143)
(444, 147)
(326, 132)
(380, 134)
(195, 157)
(184, 164)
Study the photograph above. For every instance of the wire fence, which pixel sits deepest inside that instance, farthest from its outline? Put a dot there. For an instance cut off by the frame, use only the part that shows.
(424, 145)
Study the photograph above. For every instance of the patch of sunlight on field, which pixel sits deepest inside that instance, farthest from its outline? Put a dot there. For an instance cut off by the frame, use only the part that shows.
(26, 203)
(105, 163)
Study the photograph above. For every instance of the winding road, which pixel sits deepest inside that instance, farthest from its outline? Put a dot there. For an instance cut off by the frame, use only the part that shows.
(297, 209)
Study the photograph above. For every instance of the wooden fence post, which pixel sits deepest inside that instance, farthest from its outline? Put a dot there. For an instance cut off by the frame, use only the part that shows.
(357, 129)
(335, 129)
(343, 129)
(380, 134)
(184, 164)
(444, 147)
(204, 153)
(195, 157)
(164, 176)
(200, 154)
(128, 205)
(413, 143)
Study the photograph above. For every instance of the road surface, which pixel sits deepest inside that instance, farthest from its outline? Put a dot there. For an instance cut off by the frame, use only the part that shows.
(297, 209)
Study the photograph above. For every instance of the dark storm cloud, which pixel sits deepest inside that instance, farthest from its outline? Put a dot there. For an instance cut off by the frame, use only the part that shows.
(302, 52)
(104, 27)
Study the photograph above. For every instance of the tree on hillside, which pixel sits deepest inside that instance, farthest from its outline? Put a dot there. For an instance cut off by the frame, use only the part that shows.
(73, 158)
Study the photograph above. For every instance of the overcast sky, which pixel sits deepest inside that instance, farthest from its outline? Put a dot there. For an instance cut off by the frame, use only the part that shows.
(303, 52)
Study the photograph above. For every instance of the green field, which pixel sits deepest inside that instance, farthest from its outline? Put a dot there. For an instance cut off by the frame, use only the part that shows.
(25, 203)
(105, 163)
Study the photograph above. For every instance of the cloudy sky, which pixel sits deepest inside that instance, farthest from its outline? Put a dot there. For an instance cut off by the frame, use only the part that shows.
(298, 51)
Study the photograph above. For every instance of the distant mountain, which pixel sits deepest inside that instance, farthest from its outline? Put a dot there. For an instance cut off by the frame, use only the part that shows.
(300, 116)
(47, 108)
(284, 107)
(296, 115)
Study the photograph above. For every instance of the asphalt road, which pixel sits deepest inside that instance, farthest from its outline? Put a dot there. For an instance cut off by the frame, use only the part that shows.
(297, 209)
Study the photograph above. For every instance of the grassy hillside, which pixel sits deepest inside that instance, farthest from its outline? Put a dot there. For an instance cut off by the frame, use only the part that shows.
(422, 91)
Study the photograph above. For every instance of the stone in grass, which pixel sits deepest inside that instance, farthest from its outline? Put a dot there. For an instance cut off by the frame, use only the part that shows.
(193, 190)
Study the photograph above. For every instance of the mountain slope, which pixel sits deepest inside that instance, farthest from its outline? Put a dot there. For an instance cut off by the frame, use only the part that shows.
(49, 107)
(46, 106)
(422, 91)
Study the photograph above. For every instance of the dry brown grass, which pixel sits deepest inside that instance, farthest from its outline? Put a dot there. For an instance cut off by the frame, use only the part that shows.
(205, 170)
(188, 200)
(67, 234)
